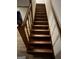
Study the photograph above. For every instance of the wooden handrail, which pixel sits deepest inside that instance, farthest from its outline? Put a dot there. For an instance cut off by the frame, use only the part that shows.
(23, 35)
(22, 27)
(26, 16)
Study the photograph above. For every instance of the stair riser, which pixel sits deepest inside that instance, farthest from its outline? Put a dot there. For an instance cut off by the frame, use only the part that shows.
(39, 13)
(40, 23)
(40, 4)
(36, 27)
(44, 16)
(41, 16)
(46, 46)
(40, 32)
(42, 19)
(40, 8)
(41, 38)
(41, 54)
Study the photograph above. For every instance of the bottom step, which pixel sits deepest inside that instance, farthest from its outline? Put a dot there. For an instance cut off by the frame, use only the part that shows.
(37, 50)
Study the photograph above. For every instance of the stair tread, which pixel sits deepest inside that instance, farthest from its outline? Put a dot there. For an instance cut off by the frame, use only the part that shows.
(41, 12)
(40, 30)
(40, 50)
(40, 42)
(40, 25)
(40, 18)
(42, 35)
(41, 21)
(40, 15)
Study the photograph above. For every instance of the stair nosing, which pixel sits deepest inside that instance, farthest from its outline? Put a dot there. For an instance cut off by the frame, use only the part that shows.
(40, 25)
(40, 42)
(41, 30)
(36, 35)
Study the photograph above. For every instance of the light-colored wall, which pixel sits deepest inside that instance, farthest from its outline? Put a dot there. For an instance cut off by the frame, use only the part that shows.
(40, 1)
(57, 7)
(57, 45)
(23, 11)
(53, 26)
(22, 2)
(21, 49)
(33, 7)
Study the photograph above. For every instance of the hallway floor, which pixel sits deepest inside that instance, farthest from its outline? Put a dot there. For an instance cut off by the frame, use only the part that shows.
(32, 57)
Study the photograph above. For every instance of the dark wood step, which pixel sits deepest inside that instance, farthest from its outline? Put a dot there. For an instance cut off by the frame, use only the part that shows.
(40, 27)
(40, 22)
(40, 9)
(37, 7)
(39, 42)
(38, 31)
(39, 50)
(41, 37)
(40, 4)
(41, 19)
(38, 18)
(38, 15)
(35, 35)
(45, 38)
(41, 12)
(41, 15)
(44, 46)
(41, 45)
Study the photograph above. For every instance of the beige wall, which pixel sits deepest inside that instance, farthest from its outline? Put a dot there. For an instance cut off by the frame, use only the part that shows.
(40, 1)
(57, 7)
(22, 2)
(23, 11)
(21, 49)
(53, 26)
(33, 7)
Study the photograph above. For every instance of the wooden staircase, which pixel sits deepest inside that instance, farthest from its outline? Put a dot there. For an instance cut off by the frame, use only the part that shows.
(40, 39)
